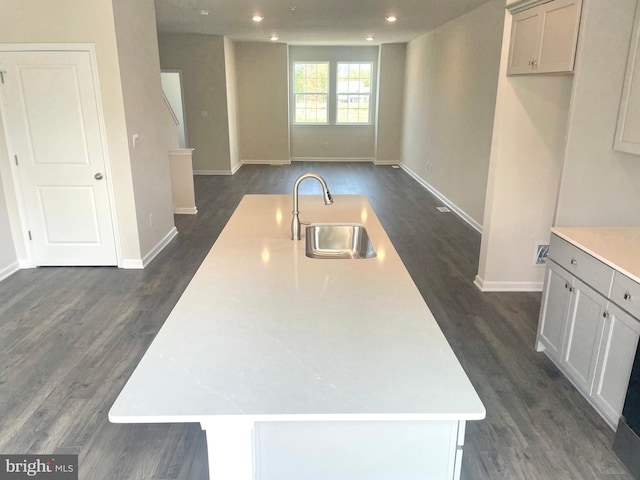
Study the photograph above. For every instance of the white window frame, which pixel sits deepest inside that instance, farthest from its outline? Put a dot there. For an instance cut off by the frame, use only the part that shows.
(294, 93)
(332, 95)
(338, 94)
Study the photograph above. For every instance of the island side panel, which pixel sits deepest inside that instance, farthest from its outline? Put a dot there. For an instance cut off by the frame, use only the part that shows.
(347, 450)
(230, 448)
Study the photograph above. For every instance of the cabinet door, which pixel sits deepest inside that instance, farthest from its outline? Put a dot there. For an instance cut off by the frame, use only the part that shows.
(615, 359)
(554, 311)
(628, 130)
(525, 41)
(584, 330)
(560, 21)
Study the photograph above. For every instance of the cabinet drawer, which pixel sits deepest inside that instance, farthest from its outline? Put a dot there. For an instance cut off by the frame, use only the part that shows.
(626, 293)
(589, 269)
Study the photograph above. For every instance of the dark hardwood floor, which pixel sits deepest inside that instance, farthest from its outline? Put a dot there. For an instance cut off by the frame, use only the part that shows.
(70, 338)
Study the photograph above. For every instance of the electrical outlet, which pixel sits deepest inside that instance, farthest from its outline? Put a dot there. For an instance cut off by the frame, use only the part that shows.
(542, 252)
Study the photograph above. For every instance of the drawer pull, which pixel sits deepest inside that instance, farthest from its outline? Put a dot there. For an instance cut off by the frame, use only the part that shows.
(627, 296)
(574, 261)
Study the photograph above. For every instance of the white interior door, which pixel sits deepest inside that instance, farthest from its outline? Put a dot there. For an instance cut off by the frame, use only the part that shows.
(50, 110)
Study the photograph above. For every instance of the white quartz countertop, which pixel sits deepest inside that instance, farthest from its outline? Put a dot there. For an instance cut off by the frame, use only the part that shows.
(265, 332)
(618, 247)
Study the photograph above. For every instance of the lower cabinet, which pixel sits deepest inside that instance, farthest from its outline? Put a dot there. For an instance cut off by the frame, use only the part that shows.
(571, 325)
(555, 309)
(617, 351)
(588, 337)
(584, 331)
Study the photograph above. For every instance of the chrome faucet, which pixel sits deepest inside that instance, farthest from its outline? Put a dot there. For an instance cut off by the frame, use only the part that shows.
(295, 221)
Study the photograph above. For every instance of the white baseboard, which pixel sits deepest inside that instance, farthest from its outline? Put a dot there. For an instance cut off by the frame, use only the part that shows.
(146, 260)
(233, 170)
(331, 159)
(9, 270)
(185, 210)
(212, 172)
(132, 264)
(266, 162)
(386, 162)
(485, 286)
(452, 206)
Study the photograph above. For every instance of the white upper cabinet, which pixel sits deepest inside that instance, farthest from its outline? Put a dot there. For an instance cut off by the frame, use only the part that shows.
(525, 41)
(628, 131)
(544, 38)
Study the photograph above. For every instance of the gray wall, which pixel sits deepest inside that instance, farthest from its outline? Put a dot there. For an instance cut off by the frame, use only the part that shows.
(146, 115)
(392, 65)
(450, 94)
(8, 257)
(600, 186)
(244, 89)
(263, 104)
(330, 141)
(201, 58)
(231, 79)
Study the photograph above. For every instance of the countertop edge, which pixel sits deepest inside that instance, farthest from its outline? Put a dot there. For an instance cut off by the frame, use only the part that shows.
(373, 417)
(561, 232)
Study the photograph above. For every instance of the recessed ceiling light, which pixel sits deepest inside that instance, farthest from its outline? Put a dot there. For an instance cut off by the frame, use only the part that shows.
(369, 38)
(274, 37)
(391, 18)
(204, 12)
(257, 18)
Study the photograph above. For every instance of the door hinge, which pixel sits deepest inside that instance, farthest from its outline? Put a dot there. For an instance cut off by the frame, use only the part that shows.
(30, 235)
(16, 159)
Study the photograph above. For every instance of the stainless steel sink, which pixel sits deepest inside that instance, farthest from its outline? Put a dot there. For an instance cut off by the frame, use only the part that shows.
(338, 241)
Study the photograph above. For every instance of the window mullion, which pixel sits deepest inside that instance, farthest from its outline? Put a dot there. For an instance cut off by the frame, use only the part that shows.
(333, 92)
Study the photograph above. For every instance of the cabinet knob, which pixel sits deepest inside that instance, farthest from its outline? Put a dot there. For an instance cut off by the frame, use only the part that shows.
(627, 296)
(574, 261)
(566, 285)
(605, 314)
(571, 289)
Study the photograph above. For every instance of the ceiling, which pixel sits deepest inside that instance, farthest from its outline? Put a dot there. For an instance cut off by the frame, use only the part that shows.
(310, 22)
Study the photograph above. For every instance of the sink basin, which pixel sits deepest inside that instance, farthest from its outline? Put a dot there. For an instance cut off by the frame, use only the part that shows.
(338, 241)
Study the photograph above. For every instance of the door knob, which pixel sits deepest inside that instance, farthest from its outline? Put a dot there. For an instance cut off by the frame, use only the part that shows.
(98, 176)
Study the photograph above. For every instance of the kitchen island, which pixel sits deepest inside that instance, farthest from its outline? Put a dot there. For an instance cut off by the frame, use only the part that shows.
(306, 368)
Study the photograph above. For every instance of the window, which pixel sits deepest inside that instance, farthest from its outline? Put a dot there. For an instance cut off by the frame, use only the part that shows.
(311, 92)
(353, 82)
(333, 91)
